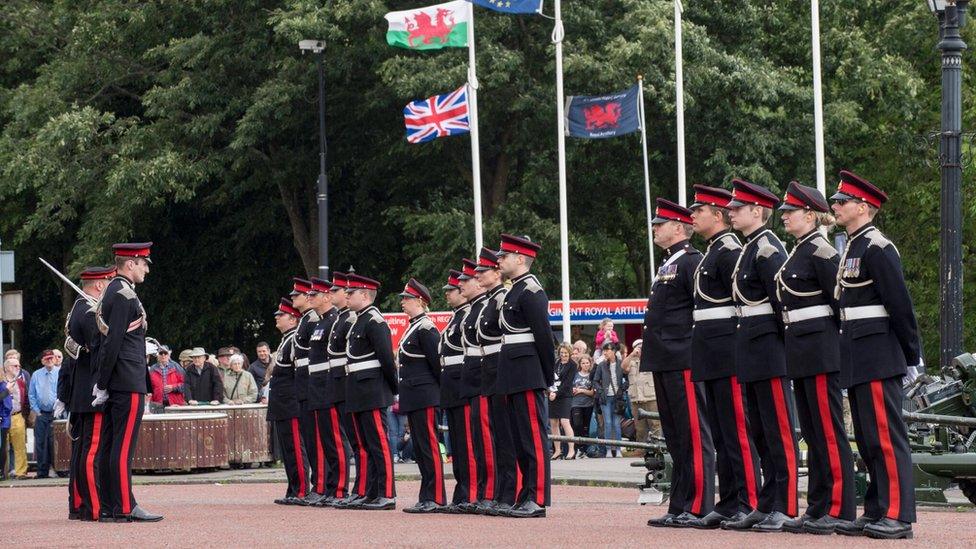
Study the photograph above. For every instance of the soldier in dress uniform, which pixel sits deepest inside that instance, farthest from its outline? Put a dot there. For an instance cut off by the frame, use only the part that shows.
(420, 394)
(325, 460)
(372, 382)
(284, 409)
(526, 367)
(760, 357)
(667, 353)
(471, 390)
(75, 383)
(458, 408)
(805, 288)
(122, 382)
(879, 334)
(490, 331)
(713, 364)
(300, 298)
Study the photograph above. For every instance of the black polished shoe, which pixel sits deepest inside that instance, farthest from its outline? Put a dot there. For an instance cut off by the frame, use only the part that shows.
(855, 528)
(424, 507)
(141, 515)
(746, 522)
(380, 504)
(825, 525)
(109, 517)
(451, 509)
(710, 521)
(313, 499)
(74, 515)
(661, 522)
(468, 508)
(772, 523)
(501, 510)
(484, 507)
(888, 528)
(684, 520)
(325, 501)
(529, 509)
(795, 526)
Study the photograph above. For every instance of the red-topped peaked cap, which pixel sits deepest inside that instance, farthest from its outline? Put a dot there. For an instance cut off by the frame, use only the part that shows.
(452, 280)
(359, 282)
(300, 286)
(416, 290)
(855, 187)
(133, 249)
(468, 269)
(745, 193)
(524, 245)
(801, 197)
(711, 196)
(98, 273)
(487, 260)
(339, 280)
(286, 307)
(670, 211)
(320, 285)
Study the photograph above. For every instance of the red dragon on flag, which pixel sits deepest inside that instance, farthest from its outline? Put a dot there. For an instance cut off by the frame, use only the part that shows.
(598, 116)
(427, 29)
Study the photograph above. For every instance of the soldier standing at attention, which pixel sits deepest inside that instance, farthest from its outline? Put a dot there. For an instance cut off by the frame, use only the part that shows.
(122, 382)
(879, 334)
(325, 459)
(300, 298)
(420, 372)
(526, 367)
(805, 287)
(283, 407)
(372, 382)
(760, 357)
(667, 353)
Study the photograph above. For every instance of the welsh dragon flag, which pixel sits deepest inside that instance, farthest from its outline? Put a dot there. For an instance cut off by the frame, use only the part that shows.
(430, 28)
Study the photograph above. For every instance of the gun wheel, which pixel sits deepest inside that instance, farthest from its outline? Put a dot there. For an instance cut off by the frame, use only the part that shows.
(968, 488)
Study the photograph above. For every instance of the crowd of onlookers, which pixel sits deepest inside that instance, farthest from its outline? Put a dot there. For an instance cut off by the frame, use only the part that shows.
(200, 378)
(28, 401)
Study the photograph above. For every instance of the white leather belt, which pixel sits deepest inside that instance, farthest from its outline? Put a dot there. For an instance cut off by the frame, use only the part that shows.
(452, 360)
(472, 351)
(318, 367)
(863, 312)
(806, 313)
(518, 338)
(360, 366)
(301, 362)
(715, 313)
(487, 350)
(336, 362)
(755, 310)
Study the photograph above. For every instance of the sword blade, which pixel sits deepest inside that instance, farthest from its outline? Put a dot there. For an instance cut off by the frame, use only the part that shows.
(67, 281)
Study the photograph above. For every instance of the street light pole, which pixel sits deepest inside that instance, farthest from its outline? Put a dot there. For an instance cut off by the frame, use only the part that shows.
(322, 194)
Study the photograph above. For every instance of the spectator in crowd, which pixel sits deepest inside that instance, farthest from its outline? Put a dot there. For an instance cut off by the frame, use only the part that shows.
(202, 380)
(16, 388)
(608, 383)
(398, 426)
(404, 446)
(605, 334)
(239, 384)
(579, 350)
(641, 392)
(259, 367)
(58, 357)
(167, 380)
(582, 410)
(11, 353)
(6, 410)
(43, 395)
(223, 359)
(185, 359)
(561, 401)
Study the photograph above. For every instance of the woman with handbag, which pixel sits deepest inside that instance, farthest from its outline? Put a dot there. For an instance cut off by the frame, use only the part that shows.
(561, 401)
(608, 383)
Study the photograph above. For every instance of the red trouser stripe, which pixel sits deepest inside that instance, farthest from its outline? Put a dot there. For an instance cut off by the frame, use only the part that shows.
(387, 456)
(472, 471)
(786, 434)
(488, 447)
(297, 445)
(361, 461)
(696, 444)
(884, 436)
(540, 456)
(319, 457)
(340, 450)
(90, 464)
(130, 425)
(75, 495)
(435, 452)
(833, 454)
(745, 445)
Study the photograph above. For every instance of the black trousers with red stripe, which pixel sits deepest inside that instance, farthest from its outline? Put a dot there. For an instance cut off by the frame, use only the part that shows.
(507, 474)
(313, 449)
(86, 438)
(737, 461)
(528, 420)
(769, 405)
(120, 430)
(293, 456)
(681, 403)
(356, 440)
(374, 429)
(882, 440)
(335, 451)
(820, 411)
(484, 446)
(427, 451)
(462, 455)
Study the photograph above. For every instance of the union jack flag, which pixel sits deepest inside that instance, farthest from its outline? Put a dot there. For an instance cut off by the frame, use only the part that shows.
(438, 116)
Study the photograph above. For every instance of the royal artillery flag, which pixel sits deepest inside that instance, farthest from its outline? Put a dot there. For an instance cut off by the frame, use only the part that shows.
(511, 6)
(602, 116)
(430, 28)
(438, 116)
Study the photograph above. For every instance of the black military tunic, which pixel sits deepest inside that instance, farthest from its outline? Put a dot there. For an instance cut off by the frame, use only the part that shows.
(303, 334)
(323, 459)
(879, 339)
(471, 384)
(336, 393)
(458, 410)
(420, 371)
(285, 410)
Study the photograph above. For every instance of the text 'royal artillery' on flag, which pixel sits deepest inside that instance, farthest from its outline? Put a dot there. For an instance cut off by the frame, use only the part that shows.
(602, 116)
(430, 28)
(438, 116)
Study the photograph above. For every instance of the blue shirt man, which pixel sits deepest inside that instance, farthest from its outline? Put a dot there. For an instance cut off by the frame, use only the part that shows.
(43, 391)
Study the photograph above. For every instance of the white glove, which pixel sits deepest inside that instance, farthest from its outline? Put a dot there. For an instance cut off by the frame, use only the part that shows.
(58, 409)
(101, 395)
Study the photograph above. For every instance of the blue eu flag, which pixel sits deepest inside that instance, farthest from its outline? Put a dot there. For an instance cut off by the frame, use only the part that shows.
(602, 116)
(511, 6)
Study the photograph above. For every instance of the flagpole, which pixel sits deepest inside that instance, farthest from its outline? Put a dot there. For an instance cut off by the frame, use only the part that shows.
(557, 38)
(475, 149)
(647, 177)
(679, 83)
(818, 98)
